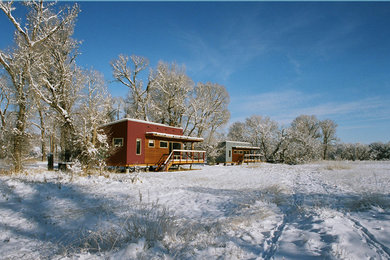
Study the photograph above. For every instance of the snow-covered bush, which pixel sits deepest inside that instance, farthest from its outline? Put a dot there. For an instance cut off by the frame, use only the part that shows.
(380, 151)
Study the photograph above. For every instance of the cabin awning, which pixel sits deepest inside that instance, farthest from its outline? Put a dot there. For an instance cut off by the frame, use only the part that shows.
(246, 147)
(174, 137)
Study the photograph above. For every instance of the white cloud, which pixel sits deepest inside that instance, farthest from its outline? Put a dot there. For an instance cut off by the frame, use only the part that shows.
(287, 105)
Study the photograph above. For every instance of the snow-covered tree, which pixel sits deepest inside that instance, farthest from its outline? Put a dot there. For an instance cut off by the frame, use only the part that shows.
(127, 70)
(15, 64)
(42, 111)
(169, 94)
(207, 110)
(5, 102)
(59, 80)
(265, 133)
(237, 132)
(303, 140)
(328, 135)
(380, 151)
(91, 114)
(353, 152)
(115, 108)
(5, 99)
(20, 63)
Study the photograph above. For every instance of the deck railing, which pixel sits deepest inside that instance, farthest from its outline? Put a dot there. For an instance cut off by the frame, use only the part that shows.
(252, 158)
(184, 157)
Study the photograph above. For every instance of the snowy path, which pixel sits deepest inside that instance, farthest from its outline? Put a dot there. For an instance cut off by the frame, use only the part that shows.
(327, 210)
(309, 230)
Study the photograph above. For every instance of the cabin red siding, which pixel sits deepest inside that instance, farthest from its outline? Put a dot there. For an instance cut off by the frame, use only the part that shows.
(137, 130)
(130, 131)
(118, 130)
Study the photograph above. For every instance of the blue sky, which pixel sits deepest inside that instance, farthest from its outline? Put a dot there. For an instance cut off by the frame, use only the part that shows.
(276, 59)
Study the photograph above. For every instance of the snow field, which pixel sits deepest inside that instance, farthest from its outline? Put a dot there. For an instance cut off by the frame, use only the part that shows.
(332, 210)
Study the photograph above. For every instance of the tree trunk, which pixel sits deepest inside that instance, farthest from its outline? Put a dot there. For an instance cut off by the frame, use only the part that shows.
(43, 134)
(19, 135)
(66, 142)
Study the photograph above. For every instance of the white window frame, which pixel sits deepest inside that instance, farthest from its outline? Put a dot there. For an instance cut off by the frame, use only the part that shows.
(140, 146)
(151, 142)
(165, 143)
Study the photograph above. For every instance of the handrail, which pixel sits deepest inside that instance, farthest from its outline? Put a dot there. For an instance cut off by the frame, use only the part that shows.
(172, 160)
(181, 151)
(253, 154)
(195, 151)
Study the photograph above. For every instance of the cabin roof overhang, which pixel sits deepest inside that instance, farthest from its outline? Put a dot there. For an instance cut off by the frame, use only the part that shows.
(246, 147)
(173, 137)
(139, 121)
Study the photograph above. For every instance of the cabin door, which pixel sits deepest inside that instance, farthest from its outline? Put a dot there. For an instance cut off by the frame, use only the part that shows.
(174, 146)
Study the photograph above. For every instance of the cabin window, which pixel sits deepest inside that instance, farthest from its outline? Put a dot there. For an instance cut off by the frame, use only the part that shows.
(176, 146)
(151, 143)
(236, 152)
(240, 152)
(138, 146)
(230, 153)
(163, 144)
(117, 142)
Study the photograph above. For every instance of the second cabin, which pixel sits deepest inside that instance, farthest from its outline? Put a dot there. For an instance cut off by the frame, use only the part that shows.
(235, 152)
(142, 143)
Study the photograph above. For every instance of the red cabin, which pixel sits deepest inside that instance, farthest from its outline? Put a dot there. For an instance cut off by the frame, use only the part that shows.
(143, 143)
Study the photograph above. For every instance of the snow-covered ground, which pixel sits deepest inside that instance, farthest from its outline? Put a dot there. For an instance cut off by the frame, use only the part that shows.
(327, 210)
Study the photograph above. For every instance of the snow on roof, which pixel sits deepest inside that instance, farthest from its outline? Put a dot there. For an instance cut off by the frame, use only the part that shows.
(139, 121)
(178, 137)
(247, 147)
(237, 142)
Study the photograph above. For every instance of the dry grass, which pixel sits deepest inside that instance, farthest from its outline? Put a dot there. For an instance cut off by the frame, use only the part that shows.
(150, 222)
(275, 194)
(337, 165)
(368, 200)
(5, 172)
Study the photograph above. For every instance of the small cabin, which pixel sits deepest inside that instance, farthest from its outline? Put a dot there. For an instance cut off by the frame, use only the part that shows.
(237, 152)
(142, 143)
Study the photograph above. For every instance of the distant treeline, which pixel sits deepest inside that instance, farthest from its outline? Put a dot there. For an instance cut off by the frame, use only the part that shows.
(305, 139)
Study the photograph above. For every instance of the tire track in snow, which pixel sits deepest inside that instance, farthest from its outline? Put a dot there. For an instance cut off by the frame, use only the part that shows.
(270, 244)
(359, 228)
(290, 216)
(370, 239)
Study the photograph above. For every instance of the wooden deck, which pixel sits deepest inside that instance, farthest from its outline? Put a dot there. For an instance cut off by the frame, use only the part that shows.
(251, 158)
(180, 157)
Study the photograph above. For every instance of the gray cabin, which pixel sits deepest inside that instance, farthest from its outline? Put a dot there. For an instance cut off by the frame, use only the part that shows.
(235, 152)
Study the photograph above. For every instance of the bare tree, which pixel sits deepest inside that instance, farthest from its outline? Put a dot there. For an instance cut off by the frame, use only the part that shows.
(303, 140)
(207, 110)
(265, 133)
(170, 93)
(92, 113)
(41, 110)
(116, 108)
(31, 38)
(58, 83)
(16, 65)
(5, 101)
(237, 132)
(328, 131)
(127, 70)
